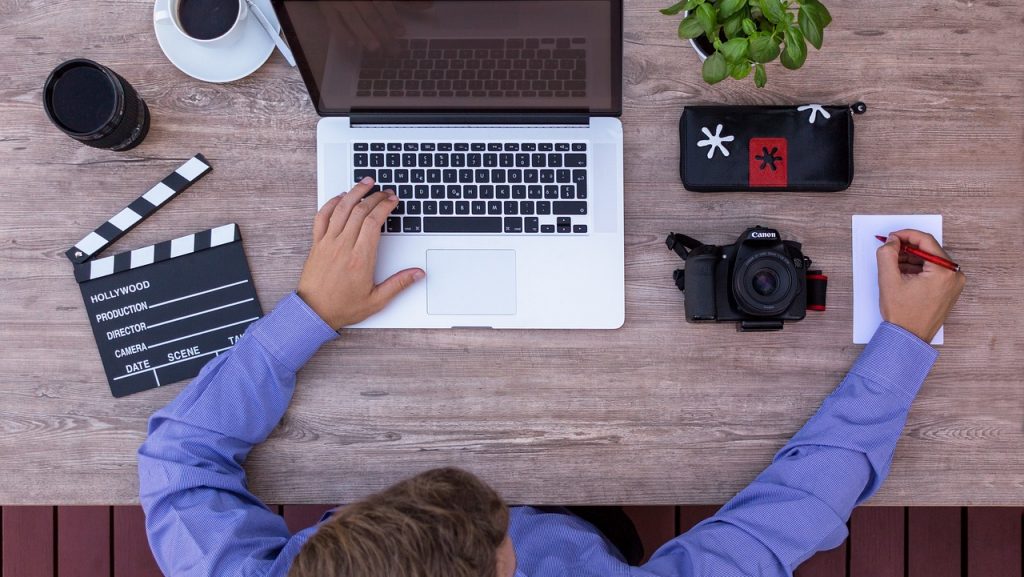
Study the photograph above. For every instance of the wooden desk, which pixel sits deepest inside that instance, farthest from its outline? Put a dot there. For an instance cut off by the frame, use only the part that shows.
(657, 412)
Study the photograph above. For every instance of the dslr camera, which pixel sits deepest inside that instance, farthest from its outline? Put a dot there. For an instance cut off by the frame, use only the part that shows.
(760, 281)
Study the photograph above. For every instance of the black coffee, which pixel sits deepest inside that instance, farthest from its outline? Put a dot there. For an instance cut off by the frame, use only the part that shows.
(207, 19)
(84, 99)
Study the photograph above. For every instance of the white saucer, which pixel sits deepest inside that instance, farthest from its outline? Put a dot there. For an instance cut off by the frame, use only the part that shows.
(239, 60)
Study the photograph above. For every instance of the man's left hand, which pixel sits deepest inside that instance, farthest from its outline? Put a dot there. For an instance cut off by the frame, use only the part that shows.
(337, 279)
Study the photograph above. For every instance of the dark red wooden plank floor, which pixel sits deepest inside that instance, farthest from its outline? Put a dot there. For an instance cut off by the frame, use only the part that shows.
(884, 541)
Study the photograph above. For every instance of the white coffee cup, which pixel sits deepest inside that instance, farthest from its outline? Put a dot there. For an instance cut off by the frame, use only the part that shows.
(228, 38)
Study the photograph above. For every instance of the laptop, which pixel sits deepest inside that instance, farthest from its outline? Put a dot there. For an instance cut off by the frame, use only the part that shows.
(496, 123)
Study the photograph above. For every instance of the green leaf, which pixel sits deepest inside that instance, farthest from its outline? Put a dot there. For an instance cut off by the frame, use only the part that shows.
(727, 8)
(740, 70)
(749, 27)
(674, 9)
(689, 27)
(708, 20)
(796, 49)
(811, 29)
(681, 6)
(715, 69)
(736, 50)
(817, 11)
(760, 76)
(764, 48)
(772, 10)
(733, 26)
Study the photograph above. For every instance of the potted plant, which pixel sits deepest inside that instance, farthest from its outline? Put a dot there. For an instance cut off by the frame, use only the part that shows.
(734, 36)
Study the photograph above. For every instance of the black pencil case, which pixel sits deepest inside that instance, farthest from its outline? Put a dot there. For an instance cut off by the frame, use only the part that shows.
(767, 148)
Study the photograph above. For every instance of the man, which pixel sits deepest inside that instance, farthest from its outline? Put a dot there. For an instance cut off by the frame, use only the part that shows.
(202, 520)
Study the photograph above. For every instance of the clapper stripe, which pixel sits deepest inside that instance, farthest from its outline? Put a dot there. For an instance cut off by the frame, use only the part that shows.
(183, 245)
(222, 235)
(140, 209)
(159, 252)
(194, 168)
(202, 240)
(142, 256)
(122, 261)
(102, 267)
(158, 195)
(91, 243)
(125, 219)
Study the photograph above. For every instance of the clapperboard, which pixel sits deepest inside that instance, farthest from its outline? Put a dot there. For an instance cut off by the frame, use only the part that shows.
(161, 312)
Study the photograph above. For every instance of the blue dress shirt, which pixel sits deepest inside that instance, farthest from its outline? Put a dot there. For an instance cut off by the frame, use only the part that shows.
(202, 520)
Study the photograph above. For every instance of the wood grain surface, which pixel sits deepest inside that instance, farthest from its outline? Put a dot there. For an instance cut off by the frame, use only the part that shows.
(658, 412)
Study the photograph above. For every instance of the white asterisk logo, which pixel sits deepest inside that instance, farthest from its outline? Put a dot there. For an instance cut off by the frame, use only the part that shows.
(714, 141)
(815, 109)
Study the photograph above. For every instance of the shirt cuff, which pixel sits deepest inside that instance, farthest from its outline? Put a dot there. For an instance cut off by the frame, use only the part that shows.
(896, 359)
(293, 332)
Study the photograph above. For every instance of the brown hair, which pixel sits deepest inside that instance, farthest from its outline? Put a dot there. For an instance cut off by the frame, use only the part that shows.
(440, 523)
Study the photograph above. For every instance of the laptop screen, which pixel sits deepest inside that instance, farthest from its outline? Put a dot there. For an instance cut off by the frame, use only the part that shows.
(458, 55)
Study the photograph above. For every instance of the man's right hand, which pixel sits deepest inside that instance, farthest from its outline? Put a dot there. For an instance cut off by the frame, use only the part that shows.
(913, 293)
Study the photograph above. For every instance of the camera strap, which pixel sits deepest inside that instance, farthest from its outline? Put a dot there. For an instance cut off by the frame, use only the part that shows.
(817, 283)
(682, 244)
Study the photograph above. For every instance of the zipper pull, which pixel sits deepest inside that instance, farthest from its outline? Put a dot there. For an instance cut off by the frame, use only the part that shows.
(859, 107)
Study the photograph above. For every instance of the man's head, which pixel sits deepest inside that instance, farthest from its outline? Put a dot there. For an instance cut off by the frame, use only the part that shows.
(441, 523)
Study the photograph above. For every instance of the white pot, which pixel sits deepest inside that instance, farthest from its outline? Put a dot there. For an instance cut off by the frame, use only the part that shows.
(693, 42)
(698, 50)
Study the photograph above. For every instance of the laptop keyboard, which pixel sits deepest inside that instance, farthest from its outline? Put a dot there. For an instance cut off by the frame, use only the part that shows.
(480, 187)
(466, 67)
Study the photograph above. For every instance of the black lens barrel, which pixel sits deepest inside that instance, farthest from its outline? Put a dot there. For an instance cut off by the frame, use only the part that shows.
(126, 114)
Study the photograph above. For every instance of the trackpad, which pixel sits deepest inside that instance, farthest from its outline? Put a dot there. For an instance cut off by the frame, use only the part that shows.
(471, 282)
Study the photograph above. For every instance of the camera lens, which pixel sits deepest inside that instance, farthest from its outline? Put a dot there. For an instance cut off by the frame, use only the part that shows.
(765, 282)
(94, 105)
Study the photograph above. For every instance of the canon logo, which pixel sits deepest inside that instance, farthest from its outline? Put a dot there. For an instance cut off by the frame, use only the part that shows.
(756, 234)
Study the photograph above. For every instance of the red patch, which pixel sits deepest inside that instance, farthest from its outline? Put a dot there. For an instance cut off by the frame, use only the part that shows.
(769, 161)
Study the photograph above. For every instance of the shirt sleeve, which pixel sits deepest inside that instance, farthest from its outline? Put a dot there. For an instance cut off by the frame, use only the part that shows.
(201, 518)
(800, 504)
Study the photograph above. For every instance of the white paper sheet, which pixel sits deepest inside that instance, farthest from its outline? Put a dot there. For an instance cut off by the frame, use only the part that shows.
(866, 314)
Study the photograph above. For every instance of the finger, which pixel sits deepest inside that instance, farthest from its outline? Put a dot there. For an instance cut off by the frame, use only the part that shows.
(907, 268)
(391, 17)
(344, 208)
(888, 256)
(931, 268)
(360, 211)
(341, 29)
(386, 291)
(921, 240)
(369, 236)
(375, 23)
(906, 257)
(323, 218)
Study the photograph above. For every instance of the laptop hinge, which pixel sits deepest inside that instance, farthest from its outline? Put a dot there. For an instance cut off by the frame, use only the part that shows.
(464, 118)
